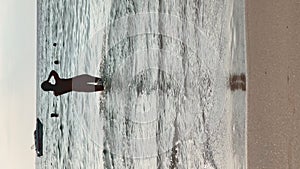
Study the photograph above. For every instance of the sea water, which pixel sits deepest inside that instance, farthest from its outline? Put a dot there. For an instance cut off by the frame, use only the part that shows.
(166, 67)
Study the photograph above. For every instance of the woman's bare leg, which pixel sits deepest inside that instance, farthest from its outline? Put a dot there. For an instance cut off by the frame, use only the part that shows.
(80, 83)
(86, 78)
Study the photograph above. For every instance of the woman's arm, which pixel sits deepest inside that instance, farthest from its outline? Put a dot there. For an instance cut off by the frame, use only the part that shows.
(54, 74)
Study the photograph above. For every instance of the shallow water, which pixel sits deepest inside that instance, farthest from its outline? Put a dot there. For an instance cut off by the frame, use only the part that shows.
(166, 67)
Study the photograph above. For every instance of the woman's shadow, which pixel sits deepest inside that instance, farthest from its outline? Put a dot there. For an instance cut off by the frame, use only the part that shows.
(80, 83)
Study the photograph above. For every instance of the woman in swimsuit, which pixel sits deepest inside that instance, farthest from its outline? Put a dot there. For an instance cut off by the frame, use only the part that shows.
(81, 83)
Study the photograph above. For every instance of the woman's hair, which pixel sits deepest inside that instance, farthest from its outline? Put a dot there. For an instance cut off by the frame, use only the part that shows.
(46, 86)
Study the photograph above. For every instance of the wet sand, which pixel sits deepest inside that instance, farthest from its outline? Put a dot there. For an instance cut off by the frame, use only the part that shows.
(273, 55)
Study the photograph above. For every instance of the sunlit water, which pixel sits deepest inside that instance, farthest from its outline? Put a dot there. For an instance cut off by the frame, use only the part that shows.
(166, 66)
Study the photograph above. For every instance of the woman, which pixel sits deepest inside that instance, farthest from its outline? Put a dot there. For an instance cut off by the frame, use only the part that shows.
(81, 83)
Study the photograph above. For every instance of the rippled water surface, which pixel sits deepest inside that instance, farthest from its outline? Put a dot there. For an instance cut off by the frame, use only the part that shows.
(166, 66)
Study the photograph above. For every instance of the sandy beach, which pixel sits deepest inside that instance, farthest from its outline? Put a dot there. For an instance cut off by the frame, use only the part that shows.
(273, 52)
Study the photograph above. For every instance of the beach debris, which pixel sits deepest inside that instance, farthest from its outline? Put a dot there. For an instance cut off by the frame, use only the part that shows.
(237, 82)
